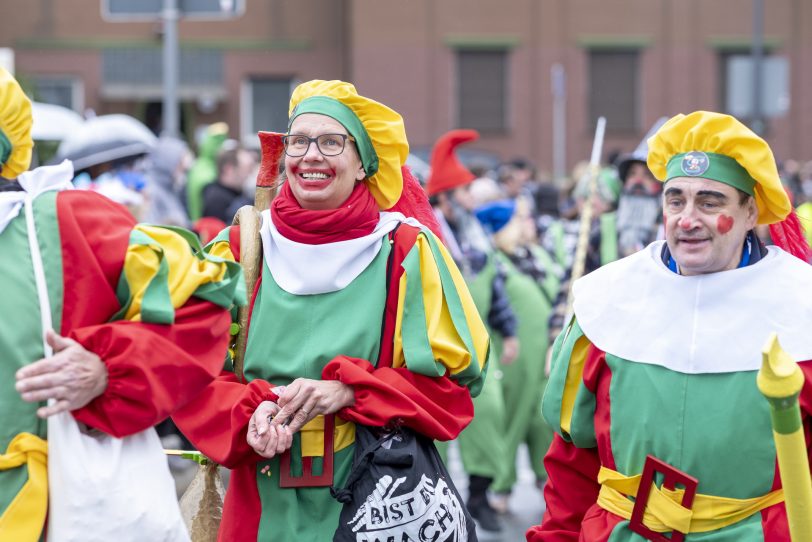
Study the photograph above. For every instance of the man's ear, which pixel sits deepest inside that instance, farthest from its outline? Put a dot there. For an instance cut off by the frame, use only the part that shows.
(752, 213)
(360, 175)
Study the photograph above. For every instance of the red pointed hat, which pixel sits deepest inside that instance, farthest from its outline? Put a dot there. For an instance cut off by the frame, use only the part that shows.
(446, 170)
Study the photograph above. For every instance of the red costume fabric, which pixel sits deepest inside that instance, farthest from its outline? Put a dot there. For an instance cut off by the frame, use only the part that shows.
(152, 369)
(356, 217)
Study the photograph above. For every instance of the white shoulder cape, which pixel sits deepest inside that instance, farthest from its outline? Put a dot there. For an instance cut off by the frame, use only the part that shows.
(639, 310)
(303, 269)
(33, 183)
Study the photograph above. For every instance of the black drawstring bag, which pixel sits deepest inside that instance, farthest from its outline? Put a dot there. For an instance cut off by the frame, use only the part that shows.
(399, 489)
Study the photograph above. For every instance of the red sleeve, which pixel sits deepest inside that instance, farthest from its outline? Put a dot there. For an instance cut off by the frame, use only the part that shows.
(571, 489)
(436, 407)
(152, 369)
(217, 419)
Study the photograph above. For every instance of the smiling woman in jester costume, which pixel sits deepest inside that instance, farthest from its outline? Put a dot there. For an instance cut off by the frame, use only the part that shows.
(138, 318)
(657, 370)
(339, 331)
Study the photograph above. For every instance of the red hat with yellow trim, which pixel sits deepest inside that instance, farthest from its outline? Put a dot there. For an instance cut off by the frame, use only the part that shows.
(447, 171)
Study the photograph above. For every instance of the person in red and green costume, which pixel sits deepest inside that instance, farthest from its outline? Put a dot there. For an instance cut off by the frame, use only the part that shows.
(483, 444)
(340, 333)
(139, 321)
(531, 282)
(656, 372)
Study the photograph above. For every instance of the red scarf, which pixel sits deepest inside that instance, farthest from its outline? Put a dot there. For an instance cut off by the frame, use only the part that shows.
(355, 218)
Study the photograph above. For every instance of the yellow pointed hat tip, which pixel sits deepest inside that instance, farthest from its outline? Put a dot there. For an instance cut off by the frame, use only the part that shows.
(780, 375)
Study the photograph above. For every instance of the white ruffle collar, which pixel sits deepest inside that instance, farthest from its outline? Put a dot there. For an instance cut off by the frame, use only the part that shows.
(34, 183)
(303, 269)
(639, 310)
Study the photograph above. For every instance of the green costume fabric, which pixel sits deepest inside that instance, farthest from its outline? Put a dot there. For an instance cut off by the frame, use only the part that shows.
(482, 444)
(347, 320)
(523, 381)
(608, 237)
(20, 299)
(672, 398)
(202, 173)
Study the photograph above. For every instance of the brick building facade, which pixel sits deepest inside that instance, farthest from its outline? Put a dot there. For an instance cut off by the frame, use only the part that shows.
(441, 63)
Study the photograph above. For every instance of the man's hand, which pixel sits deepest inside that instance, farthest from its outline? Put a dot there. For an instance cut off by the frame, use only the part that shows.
(304, 399)
(510, 350)
(265, 438)
(73, 377)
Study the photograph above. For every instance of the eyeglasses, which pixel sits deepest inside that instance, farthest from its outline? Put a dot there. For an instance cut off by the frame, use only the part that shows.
(328, 144)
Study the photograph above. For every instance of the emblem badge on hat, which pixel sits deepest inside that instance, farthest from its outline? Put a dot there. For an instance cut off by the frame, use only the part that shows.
(695, 164)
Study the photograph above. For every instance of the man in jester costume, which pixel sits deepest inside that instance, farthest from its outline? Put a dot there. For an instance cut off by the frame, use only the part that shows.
(139, 321)
(360, 317)
(656, 373)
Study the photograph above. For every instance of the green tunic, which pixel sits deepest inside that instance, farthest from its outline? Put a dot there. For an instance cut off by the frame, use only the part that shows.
(482, 444)
(347, 321)
(523, 381)
(21, 334)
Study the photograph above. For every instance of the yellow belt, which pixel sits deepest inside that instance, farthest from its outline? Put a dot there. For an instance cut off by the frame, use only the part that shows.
(24, 517)
(664, 513)
(313, 436)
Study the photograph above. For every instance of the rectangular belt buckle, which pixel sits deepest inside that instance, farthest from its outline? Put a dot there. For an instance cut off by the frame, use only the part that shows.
(308, 479)
(671, 477)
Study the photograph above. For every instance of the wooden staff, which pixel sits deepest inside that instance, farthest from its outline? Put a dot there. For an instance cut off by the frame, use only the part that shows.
(780, 380)
(202, 502)
(579, 261)
(248, 218)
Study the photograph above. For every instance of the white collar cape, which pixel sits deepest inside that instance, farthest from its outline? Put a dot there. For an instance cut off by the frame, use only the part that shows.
(639, 310)
(34, 183)
(303, 269)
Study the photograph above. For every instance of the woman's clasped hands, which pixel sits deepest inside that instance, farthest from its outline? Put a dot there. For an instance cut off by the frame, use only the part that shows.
(271, 428)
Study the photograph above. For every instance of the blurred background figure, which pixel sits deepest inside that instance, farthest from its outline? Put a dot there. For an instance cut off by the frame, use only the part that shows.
(639, 211)
(222, 197)
(204, 170)
(165, 177)
(482, 443)
(515, 180)
(532, 282)
(561, 237)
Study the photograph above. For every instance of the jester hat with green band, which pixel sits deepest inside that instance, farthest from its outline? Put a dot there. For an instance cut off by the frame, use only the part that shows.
(15, 127)
(379, 133)
(719, 147)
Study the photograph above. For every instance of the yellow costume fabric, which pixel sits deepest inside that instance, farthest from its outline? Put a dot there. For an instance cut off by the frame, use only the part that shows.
(15, 126)
(25, 516)
(709, 132)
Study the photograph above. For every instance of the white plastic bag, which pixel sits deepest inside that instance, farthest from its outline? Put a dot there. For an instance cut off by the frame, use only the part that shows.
(101, 488)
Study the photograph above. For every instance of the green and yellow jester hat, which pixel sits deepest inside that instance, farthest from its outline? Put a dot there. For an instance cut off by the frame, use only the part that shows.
(719, 147)
(379, 133)
(15, 127)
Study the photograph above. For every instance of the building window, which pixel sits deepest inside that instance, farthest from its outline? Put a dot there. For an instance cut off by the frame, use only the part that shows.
(482, 90)
(614, 89)
(134, 73)
(736, 85)
(265, 106)
(66, 91)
